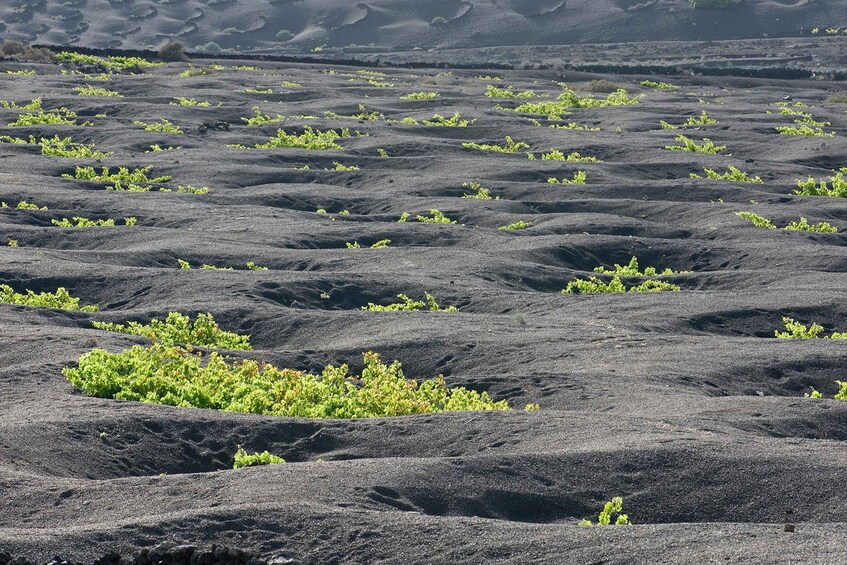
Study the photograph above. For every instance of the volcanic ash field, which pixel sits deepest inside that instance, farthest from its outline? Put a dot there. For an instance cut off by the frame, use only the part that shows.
(681, 400)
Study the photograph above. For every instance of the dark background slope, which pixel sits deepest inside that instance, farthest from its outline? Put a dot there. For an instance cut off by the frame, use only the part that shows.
(246, 25)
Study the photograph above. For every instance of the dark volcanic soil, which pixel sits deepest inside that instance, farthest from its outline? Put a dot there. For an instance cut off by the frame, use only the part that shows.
(682, 403)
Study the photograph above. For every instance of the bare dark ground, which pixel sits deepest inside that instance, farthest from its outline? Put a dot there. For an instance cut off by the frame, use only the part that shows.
(682, 403)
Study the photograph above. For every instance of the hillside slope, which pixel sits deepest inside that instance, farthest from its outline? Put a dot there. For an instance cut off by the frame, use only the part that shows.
(246, 25)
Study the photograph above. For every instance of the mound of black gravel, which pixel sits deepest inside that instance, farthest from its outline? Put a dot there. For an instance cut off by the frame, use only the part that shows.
(167, 554)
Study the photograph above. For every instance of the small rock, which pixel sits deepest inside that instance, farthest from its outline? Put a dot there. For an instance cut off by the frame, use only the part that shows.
(789, 527)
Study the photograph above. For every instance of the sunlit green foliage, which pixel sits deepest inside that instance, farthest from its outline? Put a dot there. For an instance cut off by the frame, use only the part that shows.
(59, 299)
(796, 330)
(60, 117)
(456, 121)
(732, 174)
(181, 376)
(594, 285)
(163, 125)
(707, 146)
(509, 147)
(632, 270)
(569, 100)
(573, 157)
(260, 119)
(515, 226)
(615, 506)
(407, 304)
(179, 329)
(804, 131)
(420, 96)
(660, 85)
(65, 147)
(89, 90)
(758, 221)
(244, 459)
(110, 62)
(579, 177)
(435, 217)
(123, 175)
(32, 106)
(573, 126)
(801, 225)
(836, 189)
(79, 222)
(181, 101)
(804, 225)
(481, 193)
(381, 244)
(312, 139)
(493, 92)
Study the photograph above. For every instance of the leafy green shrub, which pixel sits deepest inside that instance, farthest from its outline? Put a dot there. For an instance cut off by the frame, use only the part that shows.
(65, 147)
(407, 304)
(89, 90)
(60, 299)
(178, 376)
(595, 285)
(381, 244)
(556, 155)
(244, 459)
(180, 101)
(836, 189)
(79, 222)
(110, 62)
(519, 225)
(840, 395)
(802, 225)
(456, 121)
(804, 131)
(758, 221)
(58, 147)
(702, 120)
(632, 270)
(615, 506)
(178, 329)
(659, 85)
(732, 174)
(796, 330)
(493, 92)
(509, 147)
(60, 117)
(251, 266)
(362, 115)
(164, 125)
(569, 100)
(340, 167)
(260, 119)
(573, 126)
(420, 96)
(138, 175)
(690, 145)
(30, 107)
(312, 139)
(435, 217)
(192, 71)
(24, 205)
(481, 193)
(579, 177)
